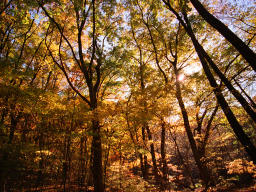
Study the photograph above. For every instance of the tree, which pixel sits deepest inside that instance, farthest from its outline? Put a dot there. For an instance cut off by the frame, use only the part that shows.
(243, 49)
(124, 95)
(93, 65)
(243, 138)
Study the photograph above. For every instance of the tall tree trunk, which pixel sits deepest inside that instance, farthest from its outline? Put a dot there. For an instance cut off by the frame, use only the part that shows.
(83, 160)
(14, 121)
(204, 174)
(97, 157)
(163, 154)
(153, 156)
(237, 128)
(202, 146)
(144, 159)
(3, 115)
(181, 160)
(229, 85)
(12, 127)
(243, 49)
(142, 166)
(40, 178)
(67, 158)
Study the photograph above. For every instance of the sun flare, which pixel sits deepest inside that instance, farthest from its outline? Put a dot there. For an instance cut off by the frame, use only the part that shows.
(181, 77)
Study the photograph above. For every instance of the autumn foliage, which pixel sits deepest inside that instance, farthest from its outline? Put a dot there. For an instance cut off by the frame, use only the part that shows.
(127, 95)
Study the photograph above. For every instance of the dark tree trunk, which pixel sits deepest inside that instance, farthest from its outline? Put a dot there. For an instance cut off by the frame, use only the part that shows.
(244, 92)
(40, 178)
(67, 157)
(229, 85)
(153, 156)
(142, 166)
(202, 147)
(187, 169)
(3, 115)
(204, 174)
(243, 49)
(144, 157)
(83, 160)
(14, 122)
(97, 158)
(163, 155)
(237, 128)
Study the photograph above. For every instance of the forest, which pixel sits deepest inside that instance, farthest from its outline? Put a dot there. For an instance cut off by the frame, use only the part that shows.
(127, 95)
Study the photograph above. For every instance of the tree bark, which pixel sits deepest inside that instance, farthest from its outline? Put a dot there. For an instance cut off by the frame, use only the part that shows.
(14, 122)
(163, 154)
(204, 174)
(241, 47)
(237, 128)
(181, 159)
(153, 156)
(244, 92)
(144, 159)
(229, 85)
(97, 156)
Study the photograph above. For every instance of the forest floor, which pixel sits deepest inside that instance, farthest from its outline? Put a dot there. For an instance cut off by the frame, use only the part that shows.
(137, 185)
(124, 179)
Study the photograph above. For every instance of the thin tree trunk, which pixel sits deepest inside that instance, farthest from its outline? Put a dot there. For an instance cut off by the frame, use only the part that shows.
(144, 157)
(163, 154)
(248, 97)
(187, 168)
(67, 158)
(40, 178)
(82, 170)
(204, 174)
(14, 121)
(153, 156)
(142, 166)
(135, 142)
(12, 127)
(207, 132)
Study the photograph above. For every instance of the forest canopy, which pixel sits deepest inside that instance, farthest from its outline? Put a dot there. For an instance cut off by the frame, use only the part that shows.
(127, 95)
